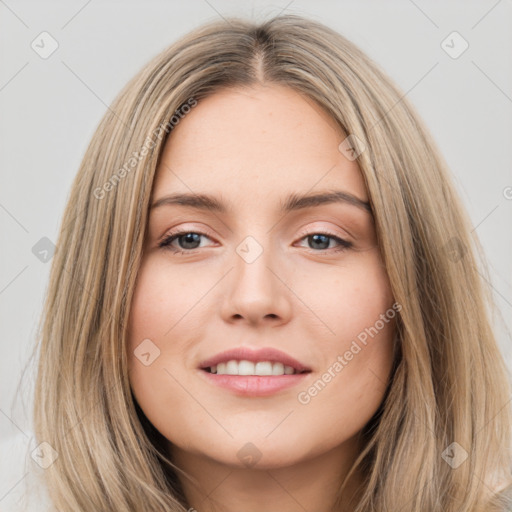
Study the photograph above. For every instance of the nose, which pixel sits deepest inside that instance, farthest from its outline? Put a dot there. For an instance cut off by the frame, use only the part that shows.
(255, 291)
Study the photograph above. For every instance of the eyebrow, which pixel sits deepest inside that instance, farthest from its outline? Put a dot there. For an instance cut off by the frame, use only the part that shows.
(292, 203)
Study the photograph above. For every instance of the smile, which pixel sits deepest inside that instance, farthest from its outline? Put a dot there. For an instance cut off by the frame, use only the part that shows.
(234, 367)
(253, 372)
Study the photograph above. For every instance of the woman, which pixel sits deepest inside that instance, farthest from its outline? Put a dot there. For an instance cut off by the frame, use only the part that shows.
(254, 369)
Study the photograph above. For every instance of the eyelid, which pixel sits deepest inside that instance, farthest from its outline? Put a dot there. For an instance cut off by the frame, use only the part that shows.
(327, 231)
(206, 232)
(183, 230)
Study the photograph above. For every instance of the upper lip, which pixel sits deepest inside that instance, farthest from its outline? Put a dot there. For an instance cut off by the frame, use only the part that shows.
(255, 355)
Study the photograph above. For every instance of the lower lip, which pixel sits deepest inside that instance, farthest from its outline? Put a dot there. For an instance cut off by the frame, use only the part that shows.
(254, 385)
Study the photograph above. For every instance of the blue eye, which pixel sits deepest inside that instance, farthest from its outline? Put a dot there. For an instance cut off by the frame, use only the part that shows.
(323, 239)
(190, 241)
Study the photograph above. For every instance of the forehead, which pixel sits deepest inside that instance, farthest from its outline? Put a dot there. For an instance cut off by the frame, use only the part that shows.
(261, 141)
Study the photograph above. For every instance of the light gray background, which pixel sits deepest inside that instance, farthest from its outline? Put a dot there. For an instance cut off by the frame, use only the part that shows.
(51, 107)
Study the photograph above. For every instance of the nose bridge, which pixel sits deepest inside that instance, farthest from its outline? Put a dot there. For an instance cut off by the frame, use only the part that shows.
(254, 258)
(255, 292)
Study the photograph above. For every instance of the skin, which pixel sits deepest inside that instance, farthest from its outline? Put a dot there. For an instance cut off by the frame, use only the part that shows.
(250, 148)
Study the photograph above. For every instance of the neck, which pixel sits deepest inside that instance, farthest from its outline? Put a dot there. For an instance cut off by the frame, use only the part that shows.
(309, 484)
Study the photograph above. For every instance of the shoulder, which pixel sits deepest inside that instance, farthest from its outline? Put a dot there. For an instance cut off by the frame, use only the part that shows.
(21, 484)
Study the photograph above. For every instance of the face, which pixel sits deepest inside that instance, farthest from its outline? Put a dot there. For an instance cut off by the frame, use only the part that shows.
(261, 327)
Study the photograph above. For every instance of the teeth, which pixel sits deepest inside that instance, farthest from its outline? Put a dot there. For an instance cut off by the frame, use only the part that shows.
(234, 367)
(264, 368)
(278, 369)
(242, 368)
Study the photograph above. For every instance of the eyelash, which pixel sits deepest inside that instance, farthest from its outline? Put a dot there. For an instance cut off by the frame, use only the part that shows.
(166, 242)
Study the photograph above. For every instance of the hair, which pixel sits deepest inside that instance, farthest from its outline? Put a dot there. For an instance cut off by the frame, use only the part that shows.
(449, 384)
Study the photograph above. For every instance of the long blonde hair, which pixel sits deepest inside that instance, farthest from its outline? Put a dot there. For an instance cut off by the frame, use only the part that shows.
(450, 383)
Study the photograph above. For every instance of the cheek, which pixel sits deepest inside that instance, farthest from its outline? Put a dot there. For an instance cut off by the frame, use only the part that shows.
(346, 299)
(349, 388)
(166, 309)
(357, 351)
(163, 306)
(154, 311)
(155, 303)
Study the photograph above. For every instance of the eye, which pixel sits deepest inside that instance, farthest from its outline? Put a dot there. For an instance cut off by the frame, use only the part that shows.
(191, 240)
(321, 241)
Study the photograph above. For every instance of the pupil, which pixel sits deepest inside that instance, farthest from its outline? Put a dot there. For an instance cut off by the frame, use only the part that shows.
(189, 238)
(324, 242)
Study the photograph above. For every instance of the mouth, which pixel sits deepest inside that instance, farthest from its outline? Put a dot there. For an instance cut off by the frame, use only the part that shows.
(258, 368)
(253, 372)
(261, 362)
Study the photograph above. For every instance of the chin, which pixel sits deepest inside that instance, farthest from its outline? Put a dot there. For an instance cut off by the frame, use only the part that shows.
(256, 454)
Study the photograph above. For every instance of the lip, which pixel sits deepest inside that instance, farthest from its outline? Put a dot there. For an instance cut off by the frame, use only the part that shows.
(254, 385)
(254, 355)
